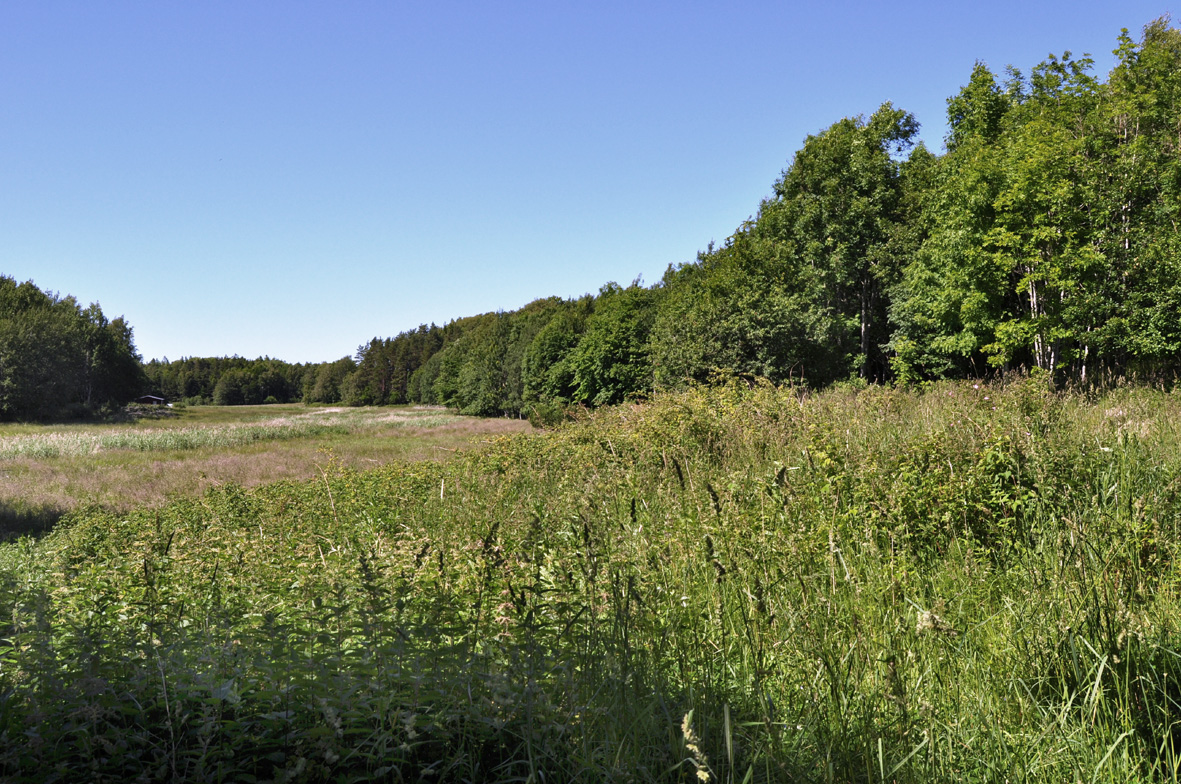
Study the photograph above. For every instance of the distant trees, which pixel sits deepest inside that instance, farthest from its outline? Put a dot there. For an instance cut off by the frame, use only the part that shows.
(546, 372)
(742, 308)
(227, 380)
(384, 367)
(611, 360)
(326, 383)
(480, 367)
(591, 351)
(1045, 236)
(379, 375)
(266, 381)
(59, 359)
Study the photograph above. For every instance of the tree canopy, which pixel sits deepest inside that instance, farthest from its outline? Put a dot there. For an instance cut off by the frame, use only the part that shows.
(1043, 236)
(58, 359)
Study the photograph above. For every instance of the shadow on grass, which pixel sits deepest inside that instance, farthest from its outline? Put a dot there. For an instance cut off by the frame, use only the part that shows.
(18, 520)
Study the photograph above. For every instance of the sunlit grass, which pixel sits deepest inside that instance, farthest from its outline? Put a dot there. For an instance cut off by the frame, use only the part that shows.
(964, 583)
(211, 431)
(55, 469)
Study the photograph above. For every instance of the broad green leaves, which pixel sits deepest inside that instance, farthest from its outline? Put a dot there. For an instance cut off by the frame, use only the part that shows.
(1053, 224)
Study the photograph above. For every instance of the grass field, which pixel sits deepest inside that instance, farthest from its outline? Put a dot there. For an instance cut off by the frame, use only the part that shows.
(964, 583)
(47, 470)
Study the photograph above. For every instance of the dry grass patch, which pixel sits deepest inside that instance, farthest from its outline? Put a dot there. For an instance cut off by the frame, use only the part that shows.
(37, 486)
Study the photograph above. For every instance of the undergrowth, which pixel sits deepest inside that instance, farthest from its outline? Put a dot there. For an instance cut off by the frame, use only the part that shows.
(731, 584)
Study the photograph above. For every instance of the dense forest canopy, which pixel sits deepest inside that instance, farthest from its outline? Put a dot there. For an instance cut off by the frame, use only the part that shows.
(378, 375)
(58, 358)
(1044, 237)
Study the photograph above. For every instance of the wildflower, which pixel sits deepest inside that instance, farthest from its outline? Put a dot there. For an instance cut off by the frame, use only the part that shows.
(693, 746)
(930, 622)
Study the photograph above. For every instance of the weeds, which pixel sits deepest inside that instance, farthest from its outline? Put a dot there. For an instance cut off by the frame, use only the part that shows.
(731, 585)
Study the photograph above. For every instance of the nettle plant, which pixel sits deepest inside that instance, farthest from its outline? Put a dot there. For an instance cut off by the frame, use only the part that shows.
(739, 583)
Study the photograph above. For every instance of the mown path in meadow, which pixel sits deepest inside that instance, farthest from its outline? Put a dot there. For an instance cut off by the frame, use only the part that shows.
(46, 470)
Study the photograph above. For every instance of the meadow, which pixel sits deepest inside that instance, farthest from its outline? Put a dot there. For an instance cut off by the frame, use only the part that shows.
(48, 470)
(736, 584)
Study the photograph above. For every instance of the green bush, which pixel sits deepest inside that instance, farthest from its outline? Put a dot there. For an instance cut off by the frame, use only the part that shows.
(548, 415)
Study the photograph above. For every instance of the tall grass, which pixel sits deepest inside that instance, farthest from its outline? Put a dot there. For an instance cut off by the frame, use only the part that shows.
(959, 584)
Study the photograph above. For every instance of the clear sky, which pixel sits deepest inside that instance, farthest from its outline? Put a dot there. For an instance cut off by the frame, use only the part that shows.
(294, 178)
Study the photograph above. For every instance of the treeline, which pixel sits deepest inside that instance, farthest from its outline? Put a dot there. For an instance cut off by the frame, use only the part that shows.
(1044, 237)
(379, 375)
(226, 381)
(1047, 236)
(595, 350)
(59, 359)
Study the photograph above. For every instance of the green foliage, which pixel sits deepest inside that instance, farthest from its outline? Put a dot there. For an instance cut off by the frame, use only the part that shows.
(610, 362)
(58, 359)
(546, 415)
(546, 374)
(801, 290)
(327, 383)
(385, 367)
(1047, 229)
(742, 309)
(836, 208)
(978, 110)
(1044, 238)
(231, 381)
(729, 583)
(504, 363)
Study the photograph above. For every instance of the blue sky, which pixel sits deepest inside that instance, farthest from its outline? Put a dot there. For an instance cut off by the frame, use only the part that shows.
(291, 179)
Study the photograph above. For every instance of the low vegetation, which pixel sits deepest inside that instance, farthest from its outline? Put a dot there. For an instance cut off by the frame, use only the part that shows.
(89, 441)
(964, 583)
(48, 470)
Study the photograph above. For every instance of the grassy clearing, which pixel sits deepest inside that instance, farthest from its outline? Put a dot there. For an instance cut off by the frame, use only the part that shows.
(46, 471)
(216, 433)
(964, 584)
